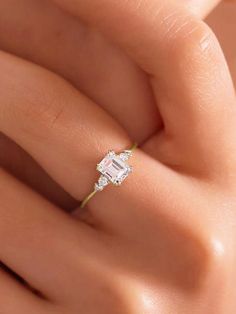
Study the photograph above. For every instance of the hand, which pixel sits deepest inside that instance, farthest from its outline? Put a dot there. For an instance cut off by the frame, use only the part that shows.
(52, 38)
(164, 241)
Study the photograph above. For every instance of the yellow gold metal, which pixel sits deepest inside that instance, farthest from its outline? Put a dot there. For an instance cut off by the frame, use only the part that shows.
(135, 145)
(87, 199)
(92, 194)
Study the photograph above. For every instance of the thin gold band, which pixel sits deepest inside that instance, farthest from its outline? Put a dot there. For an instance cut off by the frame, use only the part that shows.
(92, 194)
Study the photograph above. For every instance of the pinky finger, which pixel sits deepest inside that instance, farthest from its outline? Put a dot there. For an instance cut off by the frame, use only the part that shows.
(17, 299)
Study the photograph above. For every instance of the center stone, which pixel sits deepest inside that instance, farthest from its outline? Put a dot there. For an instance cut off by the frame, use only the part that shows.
(113, 168)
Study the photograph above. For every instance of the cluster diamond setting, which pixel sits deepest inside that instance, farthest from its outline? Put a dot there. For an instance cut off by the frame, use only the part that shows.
(114, 169)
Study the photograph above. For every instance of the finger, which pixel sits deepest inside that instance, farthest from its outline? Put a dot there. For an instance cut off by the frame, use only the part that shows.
(84, 57)
(65, 132)
(16, 299)
(72, 116)
(37, 240)
(61, 129)
(188, 72)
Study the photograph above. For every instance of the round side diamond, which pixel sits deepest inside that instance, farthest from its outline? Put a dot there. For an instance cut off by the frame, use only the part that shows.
(125, 155)
(111, 153)
(102, 182)
(99, 167)
(98, 188)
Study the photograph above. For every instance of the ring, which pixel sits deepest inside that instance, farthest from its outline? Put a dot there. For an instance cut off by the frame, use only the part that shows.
(113, 169)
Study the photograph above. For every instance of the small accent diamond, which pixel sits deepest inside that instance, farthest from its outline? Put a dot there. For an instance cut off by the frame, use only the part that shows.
(111, 153)
(102, 182)
(98, 188)
(125, 155)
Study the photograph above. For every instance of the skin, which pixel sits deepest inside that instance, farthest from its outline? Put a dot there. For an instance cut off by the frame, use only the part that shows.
(222, 20)
(128, 86)
(165, 245)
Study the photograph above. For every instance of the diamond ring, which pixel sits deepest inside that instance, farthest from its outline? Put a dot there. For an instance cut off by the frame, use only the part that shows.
(113, 169)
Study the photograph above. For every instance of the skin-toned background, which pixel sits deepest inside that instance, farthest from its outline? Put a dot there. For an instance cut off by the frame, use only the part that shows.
(165, 241)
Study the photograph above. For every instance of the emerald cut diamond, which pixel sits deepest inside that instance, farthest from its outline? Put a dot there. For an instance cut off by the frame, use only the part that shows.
(114, 168)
